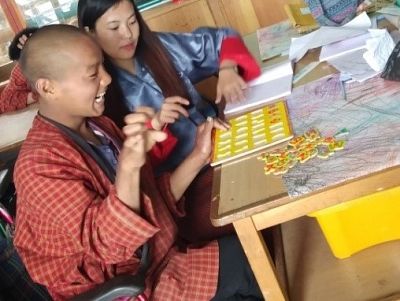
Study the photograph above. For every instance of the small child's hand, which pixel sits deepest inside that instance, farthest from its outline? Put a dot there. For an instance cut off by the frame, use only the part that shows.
(363, 6)
(170, 111)
(30, 99)
(21, 41)
(230, 85)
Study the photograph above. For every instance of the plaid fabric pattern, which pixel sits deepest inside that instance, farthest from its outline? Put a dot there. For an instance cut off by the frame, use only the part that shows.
(15, 94)
(73, 233)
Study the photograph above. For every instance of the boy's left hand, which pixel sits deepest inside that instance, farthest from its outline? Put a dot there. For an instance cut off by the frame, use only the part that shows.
(203, 144)
(230, 85)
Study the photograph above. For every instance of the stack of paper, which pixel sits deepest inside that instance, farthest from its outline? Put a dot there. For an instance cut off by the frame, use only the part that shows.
(343, 47)
(379, 47)
(360, 59)
(354, 65)
(327, 35)
(273, 83)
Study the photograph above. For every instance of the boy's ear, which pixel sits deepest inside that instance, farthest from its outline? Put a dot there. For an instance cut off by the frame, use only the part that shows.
(44, 87)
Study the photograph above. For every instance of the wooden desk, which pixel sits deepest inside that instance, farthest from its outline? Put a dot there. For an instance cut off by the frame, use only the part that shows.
(244, 196)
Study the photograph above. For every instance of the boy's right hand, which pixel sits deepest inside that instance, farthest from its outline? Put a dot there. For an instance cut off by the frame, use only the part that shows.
(138, 139)
(132, 157)
(170, 111)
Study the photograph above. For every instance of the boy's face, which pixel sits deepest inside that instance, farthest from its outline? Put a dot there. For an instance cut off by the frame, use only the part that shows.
(80, 91)
(117, 31)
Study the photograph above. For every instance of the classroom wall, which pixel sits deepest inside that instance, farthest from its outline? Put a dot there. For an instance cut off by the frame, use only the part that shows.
(246, 16)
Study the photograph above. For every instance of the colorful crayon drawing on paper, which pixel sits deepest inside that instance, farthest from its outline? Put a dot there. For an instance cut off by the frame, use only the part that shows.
(274, 40)
(370, 115)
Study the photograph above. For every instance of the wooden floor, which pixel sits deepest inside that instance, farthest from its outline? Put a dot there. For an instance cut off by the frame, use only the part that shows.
(314, 274)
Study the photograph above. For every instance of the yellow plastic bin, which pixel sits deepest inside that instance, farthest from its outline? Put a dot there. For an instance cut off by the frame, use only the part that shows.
(361, 223)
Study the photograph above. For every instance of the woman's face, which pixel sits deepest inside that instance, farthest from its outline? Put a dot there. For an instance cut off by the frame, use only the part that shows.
(117, 31)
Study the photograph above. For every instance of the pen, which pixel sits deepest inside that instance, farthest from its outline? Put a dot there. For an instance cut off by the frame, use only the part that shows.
(344, 90)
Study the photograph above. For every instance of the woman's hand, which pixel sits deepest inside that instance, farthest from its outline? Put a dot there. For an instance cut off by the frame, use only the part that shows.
(170, 111)
(221, 124)
(230, 85)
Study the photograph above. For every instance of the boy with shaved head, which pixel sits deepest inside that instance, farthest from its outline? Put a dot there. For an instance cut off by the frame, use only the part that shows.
(87, 200)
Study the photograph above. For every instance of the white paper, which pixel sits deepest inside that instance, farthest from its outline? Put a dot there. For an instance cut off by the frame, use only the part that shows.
(328, 34)
(342, 47)
(354, 64)
(15, 126)
(379, 48)
(272, 84)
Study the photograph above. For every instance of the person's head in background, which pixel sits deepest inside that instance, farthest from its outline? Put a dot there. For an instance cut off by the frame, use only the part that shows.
(121, 32)
(64, 66)
(16, 45)
(335, 12)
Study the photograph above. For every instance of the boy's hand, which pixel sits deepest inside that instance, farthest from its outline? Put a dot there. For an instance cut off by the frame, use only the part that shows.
(184, 174)
(133, 156)
(22, 40)
(139, 139)
(230, 84)
(203, 144)
(170, 111)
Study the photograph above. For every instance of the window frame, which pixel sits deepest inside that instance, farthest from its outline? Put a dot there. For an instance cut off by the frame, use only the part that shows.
(13, 15)
(17, 21)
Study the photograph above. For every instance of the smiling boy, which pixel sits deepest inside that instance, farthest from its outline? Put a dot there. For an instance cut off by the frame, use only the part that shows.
(87, 199)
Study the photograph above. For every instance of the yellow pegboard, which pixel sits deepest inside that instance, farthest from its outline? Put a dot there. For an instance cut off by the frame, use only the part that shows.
(251, 132)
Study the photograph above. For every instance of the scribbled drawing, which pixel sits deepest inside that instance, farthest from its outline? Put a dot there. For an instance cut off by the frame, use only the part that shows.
(371, 114)
(275, 39)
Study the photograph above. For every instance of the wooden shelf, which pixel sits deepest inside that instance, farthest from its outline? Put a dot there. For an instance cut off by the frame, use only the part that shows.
(314, 274)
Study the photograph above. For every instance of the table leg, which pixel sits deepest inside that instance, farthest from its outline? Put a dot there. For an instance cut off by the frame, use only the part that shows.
(260, 260)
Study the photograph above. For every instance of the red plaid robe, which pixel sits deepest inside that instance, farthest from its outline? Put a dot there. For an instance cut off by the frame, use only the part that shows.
(15, 94)
(74, 233)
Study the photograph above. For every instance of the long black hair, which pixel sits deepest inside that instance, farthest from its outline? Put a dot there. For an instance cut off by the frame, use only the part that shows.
(150, 51)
